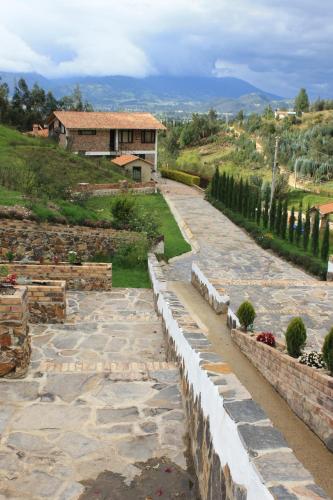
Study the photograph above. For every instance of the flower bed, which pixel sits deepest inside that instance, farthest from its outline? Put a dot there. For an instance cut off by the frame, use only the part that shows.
(86, 276)
(15, 348)
(309, 392)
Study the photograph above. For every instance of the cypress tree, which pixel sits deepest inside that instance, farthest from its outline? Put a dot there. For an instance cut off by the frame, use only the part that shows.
(245, 198)
(215, 182)
(235, 196)
(278, 222)
(272, 215)
(307, 229)
(223, 180)
(266, 211)
(258, 207)
(231, 192)
(292, 225)
(315, 235)
(284, 221)
(299, 226)
(240, 196)
(325, 247)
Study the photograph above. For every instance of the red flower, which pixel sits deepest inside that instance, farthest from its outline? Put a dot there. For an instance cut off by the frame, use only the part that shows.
(267, 338)
(11, 279)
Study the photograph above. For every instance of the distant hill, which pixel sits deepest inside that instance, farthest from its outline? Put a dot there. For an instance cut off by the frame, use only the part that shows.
(177, 96)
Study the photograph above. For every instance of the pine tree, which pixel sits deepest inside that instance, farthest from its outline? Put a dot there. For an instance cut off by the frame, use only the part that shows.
(222, 187)
(258, 207)
(315, 235)
(215, 182)
(325, 247)
(235, 196)
(245, 198)
(284, 221)
(307, 229)
(302, 103)
(272, 215)
(240, 196)
(226, 190)
(231, 191)
(266, 211)
(278, 221)
(292, 225)
(299, 227)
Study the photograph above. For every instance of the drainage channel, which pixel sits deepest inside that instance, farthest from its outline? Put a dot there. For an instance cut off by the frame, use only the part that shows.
(307, 447)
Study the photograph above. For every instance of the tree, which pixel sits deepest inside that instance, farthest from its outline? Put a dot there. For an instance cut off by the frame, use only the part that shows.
(245, 198)
(272, 215)
(328, 351)
(258, 207)
(325, 247)
(307, 229)
(240, 116)
(240, 196)
(302, 103)
(315, 235)
(299, 226)
(295, 337)
(278, 222)
(266, 210)
(292, 225)
(215, 182)
(284, 221)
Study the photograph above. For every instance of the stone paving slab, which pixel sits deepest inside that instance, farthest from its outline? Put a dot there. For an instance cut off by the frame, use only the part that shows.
(72, 419)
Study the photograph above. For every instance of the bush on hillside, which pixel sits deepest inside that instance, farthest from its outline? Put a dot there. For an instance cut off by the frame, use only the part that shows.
(123, 211)
(295, 337)
(328, 351)
(178, 176)
(246, 314)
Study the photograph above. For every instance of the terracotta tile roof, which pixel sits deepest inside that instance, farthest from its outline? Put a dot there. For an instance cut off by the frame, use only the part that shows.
(123, 160)
(106, 120)
(325, 208)
(38, 131)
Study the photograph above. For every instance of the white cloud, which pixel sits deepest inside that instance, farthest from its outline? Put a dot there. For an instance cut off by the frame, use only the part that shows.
(276, 44)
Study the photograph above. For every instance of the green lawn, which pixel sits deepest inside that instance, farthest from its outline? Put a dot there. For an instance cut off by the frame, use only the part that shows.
(10, 198)
(130, 278)
(295, 197)
(151, 203)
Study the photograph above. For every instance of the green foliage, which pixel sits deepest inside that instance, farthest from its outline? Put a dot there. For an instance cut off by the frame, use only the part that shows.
(132, 255)
(325, 247)
(123, 211)
(189, 161)
(302, 103)
(272, 215)
(178, 176)
(315, 235)
(266, 210)
(278, 223)
(328, 351)
(284, 220)
(246, 314)
(299, 227)
(292, 220)
(307, 229)
(295, 337)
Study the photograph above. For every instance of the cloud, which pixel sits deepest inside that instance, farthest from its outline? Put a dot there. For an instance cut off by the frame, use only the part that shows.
(275, 44)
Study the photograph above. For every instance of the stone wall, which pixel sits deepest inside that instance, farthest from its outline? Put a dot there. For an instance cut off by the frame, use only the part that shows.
(236, 451)
(15, 348)
(117, 188)
(215, 295)
(47, 301)
(309, 392)
(26, 238)
(89, 276)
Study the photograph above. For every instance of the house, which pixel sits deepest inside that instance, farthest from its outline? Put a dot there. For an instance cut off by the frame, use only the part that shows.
(138, 169)
(281, 115)
(325, 210)
(107, 133)
(38, 131)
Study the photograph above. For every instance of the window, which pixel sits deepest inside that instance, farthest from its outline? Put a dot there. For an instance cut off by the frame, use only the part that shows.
(148, 136)
(136, 174)
(87, 132)
(125, 136)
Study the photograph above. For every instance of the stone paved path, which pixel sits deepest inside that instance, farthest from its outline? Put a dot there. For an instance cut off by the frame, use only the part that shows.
(99, 397)
(233, 255)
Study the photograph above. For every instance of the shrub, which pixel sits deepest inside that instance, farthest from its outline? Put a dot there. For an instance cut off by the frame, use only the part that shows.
(131, 255)
(314, 359)
(246, 314)
(295, 337)
(328, 351)
(266, 338)
(123, 211)
(178, 176)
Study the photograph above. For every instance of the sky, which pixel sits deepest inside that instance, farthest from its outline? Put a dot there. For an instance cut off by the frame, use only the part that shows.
(277, 45)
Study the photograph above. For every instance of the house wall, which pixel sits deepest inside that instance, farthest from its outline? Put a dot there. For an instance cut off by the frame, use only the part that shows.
(146, 170)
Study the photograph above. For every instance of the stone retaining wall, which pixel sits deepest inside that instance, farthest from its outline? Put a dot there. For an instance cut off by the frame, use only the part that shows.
(47, 301)
(210, 290)
(15, 348)
(309, 392)
(117, 188)
(236, 451)
(88, 276)
(30, 239)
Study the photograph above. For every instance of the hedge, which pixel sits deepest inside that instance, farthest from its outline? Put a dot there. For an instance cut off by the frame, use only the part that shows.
(177, 175)
(266, 240)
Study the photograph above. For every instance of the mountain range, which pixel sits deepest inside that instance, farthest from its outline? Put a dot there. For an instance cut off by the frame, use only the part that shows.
(164, 95)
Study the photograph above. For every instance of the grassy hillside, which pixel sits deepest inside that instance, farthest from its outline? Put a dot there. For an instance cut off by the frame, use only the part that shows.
(34, 166)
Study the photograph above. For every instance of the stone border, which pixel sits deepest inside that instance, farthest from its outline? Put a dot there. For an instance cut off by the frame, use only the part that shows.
(309, 392)
(213, 294)
(89, 276)
(47, 301)
(236, 451)
(148, 187)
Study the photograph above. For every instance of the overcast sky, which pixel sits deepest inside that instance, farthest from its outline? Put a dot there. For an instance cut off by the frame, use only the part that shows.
(278, 45)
